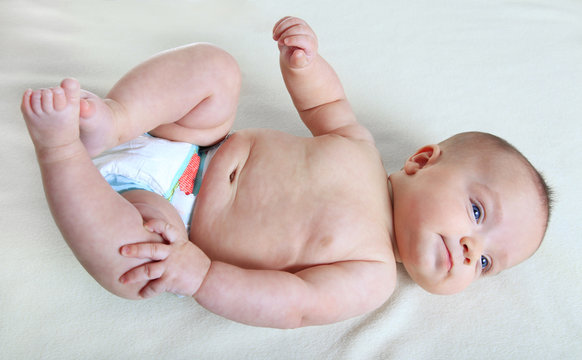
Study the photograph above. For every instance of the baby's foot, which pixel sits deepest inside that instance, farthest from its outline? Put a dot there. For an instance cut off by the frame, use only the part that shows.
(52, 116)
(62, 115)
(96, 123)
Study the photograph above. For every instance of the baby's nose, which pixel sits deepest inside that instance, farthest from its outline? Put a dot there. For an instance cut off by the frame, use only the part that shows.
(471, 250)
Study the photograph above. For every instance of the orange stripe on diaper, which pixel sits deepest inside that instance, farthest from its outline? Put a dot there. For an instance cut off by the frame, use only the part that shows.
(186, 181)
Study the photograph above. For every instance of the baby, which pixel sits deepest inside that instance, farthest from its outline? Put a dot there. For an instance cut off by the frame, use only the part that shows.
(286, 231)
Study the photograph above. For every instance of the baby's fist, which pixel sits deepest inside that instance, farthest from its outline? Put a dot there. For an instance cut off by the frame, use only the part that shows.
(297, 42)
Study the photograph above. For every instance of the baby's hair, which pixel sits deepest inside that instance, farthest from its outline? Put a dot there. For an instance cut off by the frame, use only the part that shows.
(463, 140)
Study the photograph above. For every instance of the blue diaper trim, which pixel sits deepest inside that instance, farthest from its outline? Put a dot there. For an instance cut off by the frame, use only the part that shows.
(200, 174)
(122, 184)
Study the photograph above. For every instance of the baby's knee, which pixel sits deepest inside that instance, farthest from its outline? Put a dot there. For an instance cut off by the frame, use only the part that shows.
(149, 206)
(112, 278)
(216, 58)
(125, 291)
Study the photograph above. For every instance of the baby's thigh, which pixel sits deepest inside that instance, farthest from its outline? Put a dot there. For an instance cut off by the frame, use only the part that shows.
(153, 206)
(149, 206)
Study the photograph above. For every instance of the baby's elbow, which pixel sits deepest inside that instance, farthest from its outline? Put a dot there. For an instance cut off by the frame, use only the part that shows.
(293, 323)
(291, 319)
(381, 294)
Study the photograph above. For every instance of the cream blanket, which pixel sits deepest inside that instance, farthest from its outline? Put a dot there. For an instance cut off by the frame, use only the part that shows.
(415, 71)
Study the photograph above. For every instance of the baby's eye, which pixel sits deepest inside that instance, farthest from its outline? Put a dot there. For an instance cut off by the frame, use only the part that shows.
(476, 212)
(485, 264)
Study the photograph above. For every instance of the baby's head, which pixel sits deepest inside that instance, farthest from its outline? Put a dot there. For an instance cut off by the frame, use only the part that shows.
(469, 206)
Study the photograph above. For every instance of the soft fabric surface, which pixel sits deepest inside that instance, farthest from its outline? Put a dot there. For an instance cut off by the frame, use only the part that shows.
(415, 72)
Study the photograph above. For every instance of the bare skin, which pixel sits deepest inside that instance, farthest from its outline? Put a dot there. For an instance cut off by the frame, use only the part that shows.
(283, 233)
(286, 231)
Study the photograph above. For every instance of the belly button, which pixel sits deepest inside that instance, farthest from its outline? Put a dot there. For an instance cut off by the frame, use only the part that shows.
(232, 175)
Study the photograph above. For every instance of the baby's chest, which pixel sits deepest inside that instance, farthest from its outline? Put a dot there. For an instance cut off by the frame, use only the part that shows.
(301, 227)
(298, 205)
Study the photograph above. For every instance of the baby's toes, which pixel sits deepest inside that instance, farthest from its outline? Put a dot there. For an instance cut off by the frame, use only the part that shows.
(47, 101)
(59, 98)
(36, 102)
(25, 105)
(72, 91)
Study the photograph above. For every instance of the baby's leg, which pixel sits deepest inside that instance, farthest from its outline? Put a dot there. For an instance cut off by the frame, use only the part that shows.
(186, 94)
(94, 220)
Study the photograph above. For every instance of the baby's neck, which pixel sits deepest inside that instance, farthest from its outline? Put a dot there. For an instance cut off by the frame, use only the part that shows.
(393, 232)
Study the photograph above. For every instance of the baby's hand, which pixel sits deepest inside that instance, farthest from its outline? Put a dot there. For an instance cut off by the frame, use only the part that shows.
(177, 266)
(297, 42)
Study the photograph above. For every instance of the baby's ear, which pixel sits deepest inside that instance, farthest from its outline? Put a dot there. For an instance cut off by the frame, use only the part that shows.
(426, 155)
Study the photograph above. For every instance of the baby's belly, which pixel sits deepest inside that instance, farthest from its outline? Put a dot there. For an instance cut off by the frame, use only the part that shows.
(270, 200)
(243, 214)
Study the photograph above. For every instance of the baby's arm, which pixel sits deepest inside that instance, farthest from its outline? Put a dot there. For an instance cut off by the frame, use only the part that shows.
(315, 89)
(317, 295)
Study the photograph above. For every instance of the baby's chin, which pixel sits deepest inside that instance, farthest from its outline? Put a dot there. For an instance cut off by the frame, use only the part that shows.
(446, 286)
(442, 290)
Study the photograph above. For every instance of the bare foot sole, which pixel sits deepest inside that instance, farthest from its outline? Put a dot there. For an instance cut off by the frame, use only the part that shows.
(52, 116)
(61, 115)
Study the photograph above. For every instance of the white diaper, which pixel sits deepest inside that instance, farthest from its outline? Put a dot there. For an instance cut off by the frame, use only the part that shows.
(170, 169)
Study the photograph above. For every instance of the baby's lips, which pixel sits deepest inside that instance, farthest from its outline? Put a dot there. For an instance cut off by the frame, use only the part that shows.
(448, 254)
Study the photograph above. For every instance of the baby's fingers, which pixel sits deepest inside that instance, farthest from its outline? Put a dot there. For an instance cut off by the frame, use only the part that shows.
(277, 24)
(152, 251)
(281, 25)
(168, 231)
(153, 288)
(145, 272)
(305, 42)
(290, 26)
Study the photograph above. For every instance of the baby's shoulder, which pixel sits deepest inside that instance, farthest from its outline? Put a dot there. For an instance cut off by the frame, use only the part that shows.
(355, 132)
(357, 139)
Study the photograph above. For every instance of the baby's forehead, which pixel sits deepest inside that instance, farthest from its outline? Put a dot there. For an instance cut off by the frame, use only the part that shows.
(515, 216)
(523, 199)
(508, 180)
(497, 169)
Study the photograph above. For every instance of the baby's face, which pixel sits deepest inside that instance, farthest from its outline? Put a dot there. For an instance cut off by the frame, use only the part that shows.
(455, 221)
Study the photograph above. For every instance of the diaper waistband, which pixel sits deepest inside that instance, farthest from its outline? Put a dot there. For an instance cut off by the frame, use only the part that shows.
(173, 170)
(205, 154)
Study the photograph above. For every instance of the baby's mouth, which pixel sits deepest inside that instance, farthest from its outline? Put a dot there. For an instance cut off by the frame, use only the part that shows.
(449, 257)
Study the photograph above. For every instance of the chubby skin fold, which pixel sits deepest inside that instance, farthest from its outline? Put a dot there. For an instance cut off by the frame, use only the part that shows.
(287, 231)
(298, 269)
